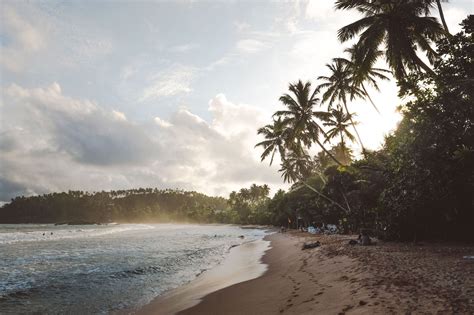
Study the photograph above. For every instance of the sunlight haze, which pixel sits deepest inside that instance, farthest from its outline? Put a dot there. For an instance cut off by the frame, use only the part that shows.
(101, 95)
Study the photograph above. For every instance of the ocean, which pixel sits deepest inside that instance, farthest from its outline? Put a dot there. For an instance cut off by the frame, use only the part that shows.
(96, 269)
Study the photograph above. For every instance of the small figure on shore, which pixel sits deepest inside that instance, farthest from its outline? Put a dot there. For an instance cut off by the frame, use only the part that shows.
(282, 229)
(364, 238)
(51, 233)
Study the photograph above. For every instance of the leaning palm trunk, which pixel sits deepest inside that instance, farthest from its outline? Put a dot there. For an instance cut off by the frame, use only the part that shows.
(345, 199)
(441, 14)
(370, 99)
(323, 195)
(329, 153)
(423, 65)
(353, 126)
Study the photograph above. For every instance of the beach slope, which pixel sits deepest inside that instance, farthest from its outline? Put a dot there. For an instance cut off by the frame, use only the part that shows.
(338, 278)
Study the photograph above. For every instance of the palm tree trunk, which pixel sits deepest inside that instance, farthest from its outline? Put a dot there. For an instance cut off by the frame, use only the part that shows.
(328, 153)
(423, 65)
(441, 14)
(370, 99)
(353, 126)
(347, 202)
(343, 149)
(323, 195)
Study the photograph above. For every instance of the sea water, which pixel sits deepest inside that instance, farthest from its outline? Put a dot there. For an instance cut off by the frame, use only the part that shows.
(102, 268)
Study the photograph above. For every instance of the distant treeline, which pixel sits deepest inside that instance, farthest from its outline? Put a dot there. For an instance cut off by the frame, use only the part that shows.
(136, 205)
(418, 185)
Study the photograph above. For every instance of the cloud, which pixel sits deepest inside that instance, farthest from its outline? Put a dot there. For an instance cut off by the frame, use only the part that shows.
(119, 115)
(162, 123)
(52, 142)
(22, 39)
(183, 48)
(241, 26)
(319, 9)
(51, 121)
(251, 46)
(176, 80)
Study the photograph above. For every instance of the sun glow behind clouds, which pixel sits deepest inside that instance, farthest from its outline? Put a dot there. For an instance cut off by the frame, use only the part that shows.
(161, 94)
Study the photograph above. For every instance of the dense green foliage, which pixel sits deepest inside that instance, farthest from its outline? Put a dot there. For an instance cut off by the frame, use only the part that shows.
(430, 170)
(137, 205)
(421, 183)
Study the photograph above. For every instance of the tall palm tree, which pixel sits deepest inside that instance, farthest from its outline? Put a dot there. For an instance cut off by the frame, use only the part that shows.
(276, 136)
(441, 14)
(296, 167)
(362, 70)
(300, 118)
(430, 3)
(339, 86)
(400, 26)
(339, 123)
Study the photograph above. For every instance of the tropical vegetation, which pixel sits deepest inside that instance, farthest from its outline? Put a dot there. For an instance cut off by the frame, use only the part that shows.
(418, 185)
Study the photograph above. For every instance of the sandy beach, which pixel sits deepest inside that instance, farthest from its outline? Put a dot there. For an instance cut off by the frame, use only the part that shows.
(338, 278)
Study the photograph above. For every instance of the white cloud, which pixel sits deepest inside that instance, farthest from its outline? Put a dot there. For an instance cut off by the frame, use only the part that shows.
(251, 46)
(232, 120)
(119, 115)
(23, 39)
(324, 13)
(183, 48)
(162, 123)
(241, 26)
(175, 80)
(52, 142)
(321, 10)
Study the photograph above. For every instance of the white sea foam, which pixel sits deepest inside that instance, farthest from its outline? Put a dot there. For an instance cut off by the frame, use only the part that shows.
(98, 269)
(54, 233)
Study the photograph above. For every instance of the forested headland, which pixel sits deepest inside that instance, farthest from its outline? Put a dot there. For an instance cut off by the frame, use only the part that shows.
(419, 185)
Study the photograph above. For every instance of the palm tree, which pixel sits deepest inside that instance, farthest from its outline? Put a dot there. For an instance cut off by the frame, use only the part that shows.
(339, 122)
(296, 167)
(299, 118)
(400, 26)
(430, 3)
(339, 86)
(362, 70)
(276, 136)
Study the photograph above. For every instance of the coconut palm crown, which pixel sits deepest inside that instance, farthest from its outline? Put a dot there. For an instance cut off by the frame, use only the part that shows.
(300, 118)
(401, 27)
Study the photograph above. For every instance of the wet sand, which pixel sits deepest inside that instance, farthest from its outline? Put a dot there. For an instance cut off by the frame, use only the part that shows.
(337, 278)
(242, 264)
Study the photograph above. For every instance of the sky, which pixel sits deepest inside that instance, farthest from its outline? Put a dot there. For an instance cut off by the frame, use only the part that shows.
(102, 95)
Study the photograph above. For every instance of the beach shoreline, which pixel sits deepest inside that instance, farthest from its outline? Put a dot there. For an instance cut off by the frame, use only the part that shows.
(243, 263)
(338, 278)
